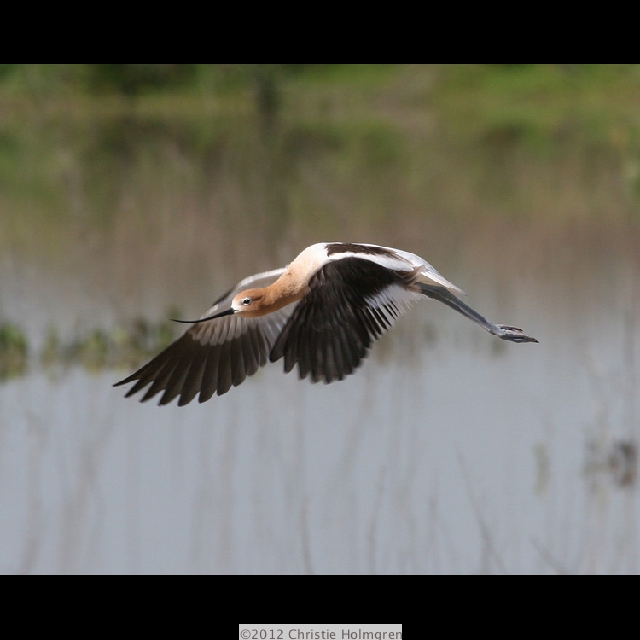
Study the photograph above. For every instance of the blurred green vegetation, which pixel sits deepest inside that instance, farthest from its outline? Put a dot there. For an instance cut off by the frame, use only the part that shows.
(544, 102)
(375, 137)
(525, 98)
(13, 351)
(535, 93)
(127, 346)
(147, 79)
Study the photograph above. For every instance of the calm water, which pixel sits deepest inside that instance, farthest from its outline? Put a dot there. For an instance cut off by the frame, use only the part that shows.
(448, 452)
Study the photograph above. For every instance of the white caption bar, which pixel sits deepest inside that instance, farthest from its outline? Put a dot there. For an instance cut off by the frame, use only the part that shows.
(320, 631)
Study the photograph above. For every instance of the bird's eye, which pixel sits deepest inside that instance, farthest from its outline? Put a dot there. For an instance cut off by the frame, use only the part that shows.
(246, 301)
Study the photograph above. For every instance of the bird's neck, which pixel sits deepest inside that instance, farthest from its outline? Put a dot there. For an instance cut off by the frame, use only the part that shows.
(288, 288)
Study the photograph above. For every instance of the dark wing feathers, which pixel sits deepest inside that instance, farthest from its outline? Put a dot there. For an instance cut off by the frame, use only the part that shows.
(209, 376)
(174, 384)
(224, 368)
(329, 332)
(188, 367)
(212, 356)
(193, 381)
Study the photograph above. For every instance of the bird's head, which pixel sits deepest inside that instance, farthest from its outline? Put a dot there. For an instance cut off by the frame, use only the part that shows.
(249, 303)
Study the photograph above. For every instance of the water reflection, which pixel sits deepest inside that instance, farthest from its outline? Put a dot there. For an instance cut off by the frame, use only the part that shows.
(448, 452)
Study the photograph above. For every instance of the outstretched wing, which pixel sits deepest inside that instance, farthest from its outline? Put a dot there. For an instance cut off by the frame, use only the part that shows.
(351, 302)
(213, 356)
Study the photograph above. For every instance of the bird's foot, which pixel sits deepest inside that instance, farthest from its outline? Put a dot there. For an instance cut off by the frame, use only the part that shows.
(514, 334)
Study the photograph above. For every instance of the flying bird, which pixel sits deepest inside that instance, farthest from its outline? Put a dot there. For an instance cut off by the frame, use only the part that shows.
(321, 313)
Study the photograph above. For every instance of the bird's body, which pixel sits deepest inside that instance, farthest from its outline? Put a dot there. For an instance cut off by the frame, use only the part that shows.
(321, 312)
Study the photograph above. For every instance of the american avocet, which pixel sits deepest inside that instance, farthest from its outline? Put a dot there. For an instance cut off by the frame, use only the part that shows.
(321, 312)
